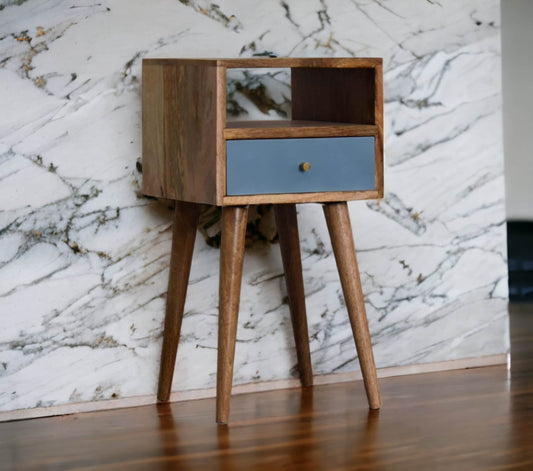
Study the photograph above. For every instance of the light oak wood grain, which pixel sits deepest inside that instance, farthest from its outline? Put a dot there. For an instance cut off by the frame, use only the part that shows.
(287, 224)
(184, 233)
(340, 230)
(231, 257)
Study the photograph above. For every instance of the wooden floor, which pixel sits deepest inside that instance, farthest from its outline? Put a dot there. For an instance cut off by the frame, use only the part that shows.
(462, 420)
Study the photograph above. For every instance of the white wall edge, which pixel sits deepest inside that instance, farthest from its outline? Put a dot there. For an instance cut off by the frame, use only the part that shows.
(136, 401)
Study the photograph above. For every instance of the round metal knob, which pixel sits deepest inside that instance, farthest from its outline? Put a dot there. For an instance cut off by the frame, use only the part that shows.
(305, 166)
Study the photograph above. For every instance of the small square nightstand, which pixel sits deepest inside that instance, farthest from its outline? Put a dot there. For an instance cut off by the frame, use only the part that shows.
(330, 152)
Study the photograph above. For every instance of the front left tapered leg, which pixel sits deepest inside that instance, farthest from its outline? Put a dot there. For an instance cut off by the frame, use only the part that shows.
(234, 220)
(340, 230)
(184, 233)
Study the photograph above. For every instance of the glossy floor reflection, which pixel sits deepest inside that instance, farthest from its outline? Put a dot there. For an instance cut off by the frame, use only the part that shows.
(289, 440)
(463, 420)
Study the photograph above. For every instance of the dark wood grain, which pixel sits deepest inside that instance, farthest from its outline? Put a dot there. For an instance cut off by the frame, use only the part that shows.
(231, 257)
(331, 94)
(184, 233)
(287, 224)
(474, 419)
(340, 230)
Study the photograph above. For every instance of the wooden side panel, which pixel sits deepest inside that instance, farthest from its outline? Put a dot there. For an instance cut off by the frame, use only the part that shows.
(378, 113)
(155, 180)
(333, 94)
(220, 140)
(179, 132)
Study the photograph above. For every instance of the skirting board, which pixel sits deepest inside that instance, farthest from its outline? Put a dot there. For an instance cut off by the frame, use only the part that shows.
(136, 401)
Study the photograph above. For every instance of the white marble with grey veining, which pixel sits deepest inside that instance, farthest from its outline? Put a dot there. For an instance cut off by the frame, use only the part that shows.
(84, 256)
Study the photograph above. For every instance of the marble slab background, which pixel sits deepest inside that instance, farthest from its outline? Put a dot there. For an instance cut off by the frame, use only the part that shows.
(84, 256)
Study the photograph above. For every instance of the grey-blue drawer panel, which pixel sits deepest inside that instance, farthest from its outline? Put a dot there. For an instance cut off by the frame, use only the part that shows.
(265, 166)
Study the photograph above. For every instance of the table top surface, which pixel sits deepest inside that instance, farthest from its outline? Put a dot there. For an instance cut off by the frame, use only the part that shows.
(259, 62)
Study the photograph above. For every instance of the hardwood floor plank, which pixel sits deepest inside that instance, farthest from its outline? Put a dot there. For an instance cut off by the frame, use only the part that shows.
(479, 418)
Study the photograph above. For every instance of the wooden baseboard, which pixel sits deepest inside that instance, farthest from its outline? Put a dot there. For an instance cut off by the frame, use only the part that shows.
(136, 401)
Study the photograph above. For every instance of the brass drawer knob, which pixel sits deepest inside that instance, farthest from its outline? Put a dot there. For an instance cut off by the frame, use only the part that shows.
(305, 166)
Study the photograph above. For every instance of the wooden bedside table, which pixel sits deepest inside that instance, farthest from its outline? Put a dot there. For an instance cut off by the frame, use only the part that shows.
(330, 152)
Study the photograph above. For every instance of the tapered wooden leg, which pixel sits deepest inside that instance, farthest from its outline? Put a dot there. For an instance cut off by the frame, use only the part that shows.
(184, 233)
(289, 242)
(231, 256)
(340, 230)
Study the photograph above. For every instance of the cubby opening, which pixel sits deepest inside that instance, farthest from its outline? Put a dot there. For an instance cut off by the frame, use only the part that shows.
(258, 94)
(299, 101)
(340, 95)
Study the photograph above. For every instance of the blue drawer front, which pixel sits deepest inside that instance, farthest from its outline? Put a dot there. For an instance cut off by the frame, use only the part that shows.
(265, 166)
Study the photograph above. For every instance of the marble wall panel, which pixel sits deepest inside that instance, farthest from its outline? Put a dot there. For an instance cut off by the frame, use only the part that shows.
(84, 256)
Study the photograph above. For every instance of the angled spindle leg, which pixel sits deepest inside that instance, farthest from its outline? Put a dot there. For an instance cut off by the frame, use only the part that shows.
(289, 242)
(340, 230)
(184, 233)
(231, 256)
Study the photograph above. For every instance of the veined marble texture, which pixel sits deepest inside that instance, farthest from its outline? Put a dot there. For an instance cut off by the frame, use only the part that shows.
(84, 256)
